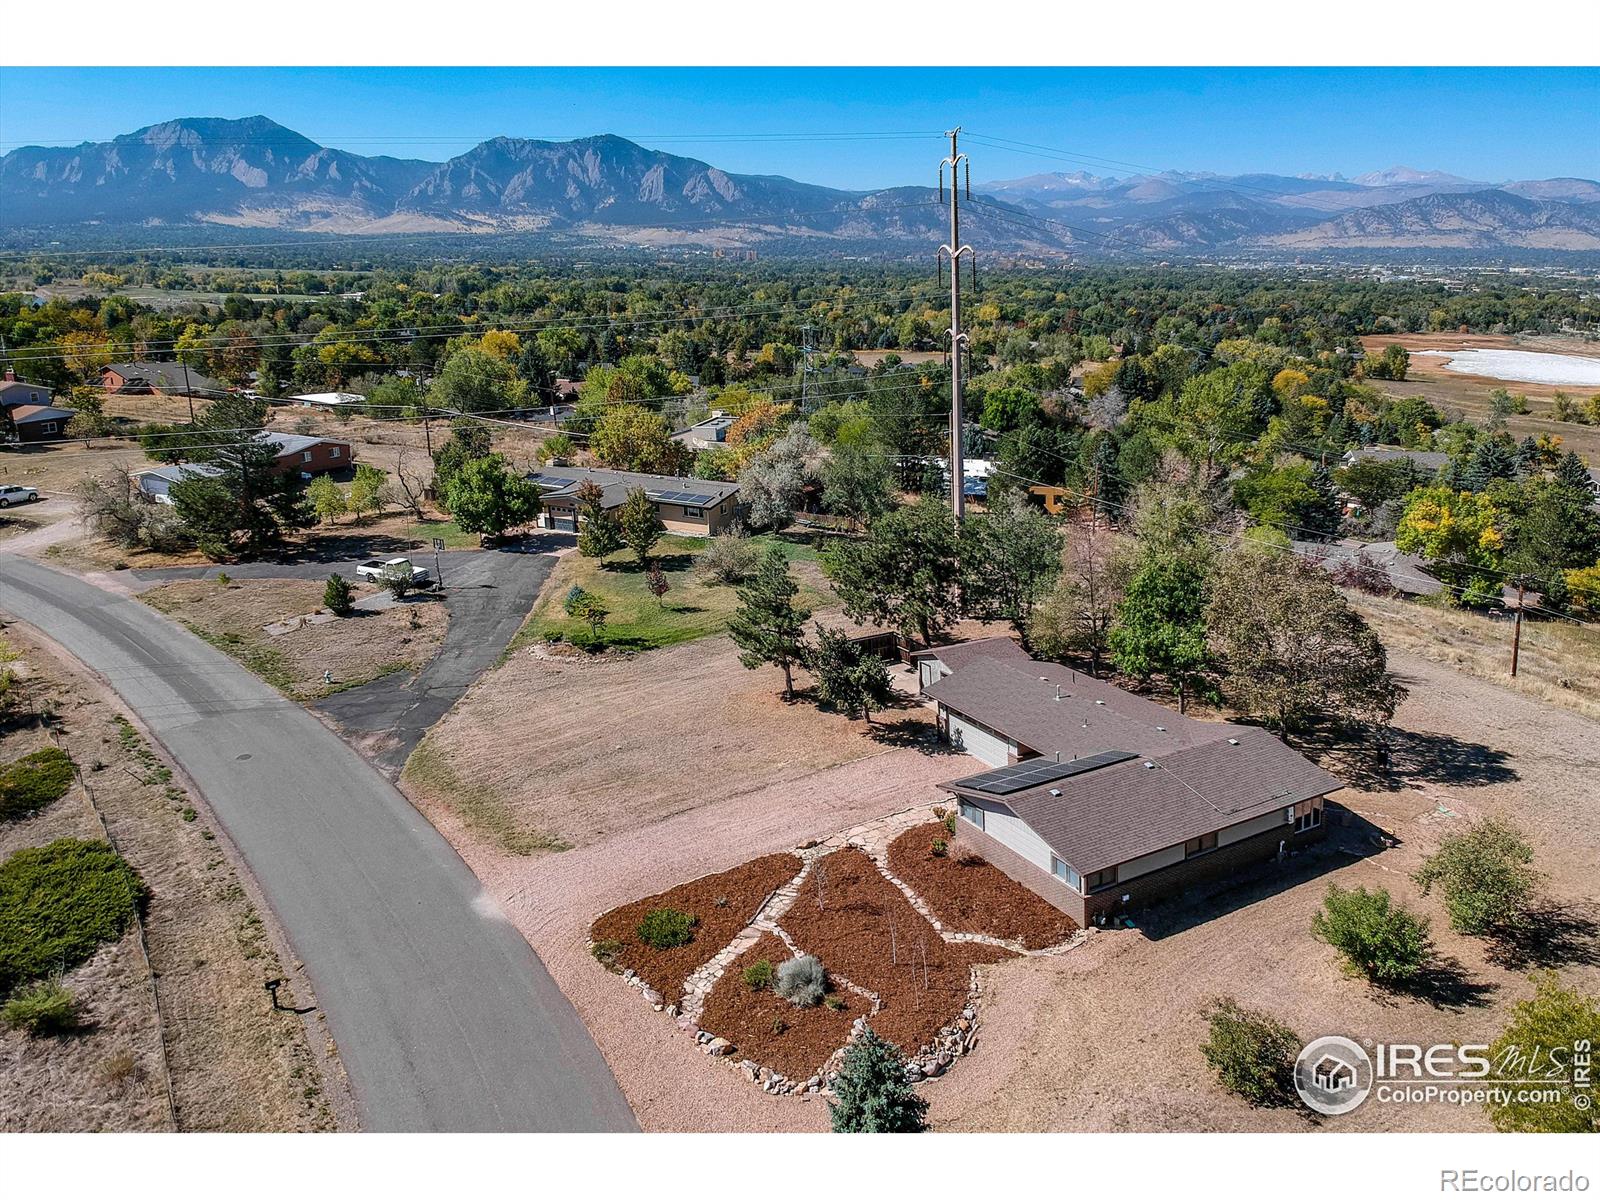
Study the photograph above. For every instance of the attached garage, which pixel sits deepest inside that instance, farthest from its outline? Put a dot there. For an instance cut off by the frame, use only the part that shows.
(976, 739)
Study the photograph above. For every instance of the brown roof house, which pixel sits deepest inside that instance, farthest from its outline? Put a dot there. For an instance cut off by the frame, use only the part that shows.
(34, 422)
(1100, 800)
(159, 378)
(697, 507)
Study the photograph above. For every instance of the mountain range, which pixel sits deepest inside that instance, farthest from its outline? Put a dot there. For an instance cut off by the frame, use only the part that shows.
(255, 173)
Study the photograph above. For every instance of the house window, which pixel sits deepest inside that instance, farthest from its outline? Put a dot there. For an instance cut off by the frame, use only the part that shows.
(49, 426)
(694, 512)
(306, 457)
(1310, 820)
(1203, 844)
(1096, 880)
(333, 452)
(972, 812)
(1065, 873)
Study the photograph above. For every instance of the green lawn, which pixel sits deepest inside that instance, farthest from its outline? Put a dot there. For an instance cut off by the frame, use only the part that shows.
(454, 537)
(690, 609)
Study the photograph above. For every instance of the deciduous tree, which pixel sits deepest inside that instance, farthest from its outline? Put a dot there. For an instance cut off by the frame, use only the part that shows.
(904, 573)
(640, 524)
(1010, 557)
(487, 497)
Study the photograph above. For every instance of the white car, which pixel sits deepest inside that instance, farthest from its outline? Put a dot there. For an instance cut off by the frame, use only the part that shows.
(377, 569)
(10, 495)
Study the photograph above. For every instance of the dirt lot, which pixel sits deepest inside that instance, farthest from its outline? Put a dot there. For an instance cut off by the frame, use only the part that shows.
(1058, 1056)
(577, 750)
(1469, 394)
(356, 649)
(235, 1063)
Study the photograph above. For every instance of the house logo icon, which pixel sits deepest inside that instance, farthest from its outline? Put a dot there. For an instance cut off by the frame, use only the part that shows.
(1333, 1075)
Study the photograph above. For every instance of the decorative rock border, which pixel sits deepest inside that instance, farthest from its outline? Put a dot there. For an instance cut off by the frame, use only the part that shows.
(951, 1042)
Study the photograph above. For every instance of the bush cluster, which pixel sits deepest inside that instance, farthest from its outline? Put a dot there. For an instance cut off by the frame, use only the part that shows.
(58, 903)
(665, 928)
(1377, 938)
(33, 781)
(758, 976)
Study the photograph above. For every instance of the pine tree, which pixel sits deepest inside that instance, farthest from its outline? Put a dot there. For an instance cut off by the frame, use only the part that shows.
(1572, 473)
(767, 625)
(640, 524)
(598, 534)
(874, 1096)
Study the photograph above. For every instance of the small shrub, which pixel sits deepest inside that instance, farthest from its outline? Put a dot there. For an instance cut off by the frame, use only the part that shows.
(938, 812)
(58, 903)
(1378, 939)
(950, 824)
(188, 814)
(336, 596)
(731, 559)
(802, 981)
(33, 781)
(664, 928)
(758, 976)
(833, 1002)
(779, 1025)
(940, 847)
(43, 1009)
(606, 952)
(1252, 1054)
(122, 1067)
(223, 579)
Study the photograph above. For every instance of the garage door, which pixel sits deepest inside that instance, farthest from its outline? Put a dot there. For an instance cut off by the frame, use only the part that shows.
(564, 524)
(980, 743)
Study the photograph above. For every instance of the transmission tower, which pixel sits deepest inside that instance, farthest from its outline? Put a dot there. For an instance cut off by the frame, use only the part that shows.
(953, 251)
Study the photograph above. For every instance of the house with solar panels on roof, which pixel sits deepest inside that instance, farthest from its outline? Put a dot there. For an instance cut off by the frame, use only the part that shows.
(695, 507)
(1100, 800)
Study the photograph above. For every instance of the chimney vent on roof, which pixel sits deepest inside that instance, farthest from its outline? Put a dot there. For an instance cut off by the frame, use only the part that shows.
(1233, 741)
(1099, 701)
(1055, 791)
(1148, 765)
(1058, 691)
(1161, 728)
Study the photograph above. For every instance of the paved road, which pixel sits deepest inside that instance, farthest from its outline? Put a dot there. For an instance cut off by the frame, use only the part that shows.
(444, 1018)
(490, 593)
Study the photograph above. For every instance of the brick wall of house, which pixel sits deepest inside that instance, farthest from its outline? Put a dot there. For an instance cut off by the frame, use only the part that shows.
(325, 456)
(970, 839)
(1144, 889)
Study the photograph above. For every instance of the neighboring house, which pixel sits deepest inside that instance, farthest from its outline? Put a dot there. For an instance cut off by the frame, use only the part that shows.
(698, 507)
(555, 415)
(155, 483)
(295, 452)
(310, 455)
(326, 399)
(1407, 573)
(707, 434)
(37, 422)
(1432, 461)
(14, 391)
(1099, 800)
(158, 378)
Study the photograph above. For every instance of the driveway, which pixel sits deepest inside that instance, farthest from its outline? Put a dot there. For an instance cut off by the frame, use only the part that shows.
(443, 1017)
(489, 593)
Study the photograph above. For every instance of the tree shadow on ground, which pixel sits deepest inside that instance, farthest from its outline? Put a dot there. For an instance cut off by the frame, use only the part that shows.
(1392, 760)
(345, 546)
(910, 733)
(1350, 837)
(1550, 935)
(1444, 983)
(667, 562)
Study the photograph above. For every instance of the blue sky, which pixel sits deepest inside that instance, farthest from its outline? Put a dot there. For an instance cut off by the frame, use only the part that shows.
(1491, 124)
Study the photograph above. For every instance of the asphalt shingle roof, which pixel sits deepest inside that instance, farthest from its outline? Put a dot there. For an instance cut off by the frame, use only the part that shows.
(564, 481)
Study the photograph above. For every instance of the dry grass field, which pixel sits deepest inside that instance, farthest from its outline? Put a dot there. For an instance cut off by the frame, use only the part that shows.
(548, 753)
(236, 1063)
(357, 648)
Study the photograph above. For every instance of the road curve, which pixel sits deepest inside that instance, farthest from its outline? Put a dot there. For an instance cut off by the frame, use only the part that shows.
(444, 1018)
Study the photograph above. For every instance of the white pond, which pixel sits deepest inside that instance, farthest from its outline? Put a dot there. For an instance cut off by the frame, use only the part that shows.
(1522, 366)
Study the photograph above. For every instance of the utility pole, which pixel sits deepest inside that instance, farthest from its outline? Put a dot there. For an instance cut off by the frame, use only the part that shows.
(954, 250)
(1516, 629)
(806, 351)
(188, 392)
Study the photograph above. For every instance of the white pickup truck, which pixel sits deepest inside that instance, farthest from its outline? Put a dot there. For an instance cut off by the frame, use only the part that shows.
(376, 569)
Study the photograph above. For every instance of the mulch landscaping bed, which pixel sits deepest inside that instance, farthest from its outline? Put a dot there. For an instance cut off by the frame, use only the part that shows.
(970, 894)
(802, 1039)
(850, 933)
(723, 904)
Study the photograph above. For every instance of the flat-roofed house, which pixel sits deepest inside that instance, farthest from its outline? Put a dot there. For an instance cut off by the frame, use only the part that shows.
(697, 507)
(1100, 800)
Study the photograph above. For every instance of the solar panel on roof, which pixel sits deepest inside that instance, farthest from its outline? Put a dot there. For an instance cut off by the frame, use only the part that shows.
(1035, 772)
